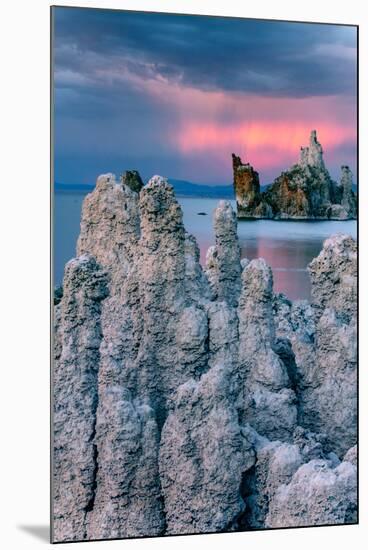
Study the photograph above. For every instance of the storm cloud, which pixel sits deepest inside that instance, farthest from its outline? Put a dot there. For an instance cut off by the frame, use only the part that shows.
(130, 86)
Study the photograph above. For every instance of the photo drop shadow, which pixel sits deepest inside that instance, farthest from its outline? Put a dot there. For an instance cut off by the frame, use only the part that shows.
(41, 532)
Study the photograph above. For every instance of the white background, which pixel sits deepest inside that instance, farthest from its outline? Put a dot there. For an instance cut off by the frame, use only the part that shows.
(24, 271)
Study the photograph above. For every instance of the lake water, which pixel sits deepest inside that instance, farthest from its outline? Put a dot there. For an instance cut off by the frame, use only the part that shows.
(287, 246)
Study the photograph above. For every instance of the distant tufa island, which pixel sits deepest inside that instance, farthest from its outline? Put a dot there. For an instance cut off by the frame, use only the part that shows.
(305, 191)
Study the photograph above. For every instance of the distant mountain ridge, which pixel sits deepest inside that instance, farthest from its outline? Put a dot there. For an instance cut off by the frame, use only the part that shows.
(73, 187)
(182, 188)
(185, 188)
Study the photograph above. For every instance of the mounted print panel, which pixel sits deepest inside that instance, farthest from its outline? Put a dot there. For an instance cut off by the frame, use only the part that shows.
(204, 209)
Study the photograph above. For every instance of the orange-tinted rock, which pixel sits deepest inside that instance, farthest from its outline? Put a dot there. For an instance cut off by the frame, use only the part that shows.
(246, 186)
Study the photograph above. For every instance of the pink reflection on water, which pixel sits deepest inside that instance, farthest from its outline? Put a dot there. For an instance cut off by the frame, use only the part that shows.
(288, 262)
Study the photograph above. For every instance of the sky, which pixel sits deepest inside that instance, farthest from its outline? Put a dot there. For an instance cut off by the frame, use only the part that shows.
(175, 95)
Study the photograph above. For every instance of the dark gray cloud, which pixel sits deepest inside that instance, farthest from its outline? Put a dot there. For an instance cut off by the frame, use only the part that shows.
(263, 57)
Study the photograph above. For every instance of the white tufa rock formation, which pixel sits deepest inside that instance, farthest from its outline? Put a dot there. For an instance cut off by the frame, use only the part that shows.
(190, 401)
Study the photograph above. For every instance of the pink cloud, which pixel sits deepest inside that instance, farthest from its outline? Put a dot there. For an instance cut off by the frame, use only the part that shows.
(207, 126)
(266, 131)
(263, 143)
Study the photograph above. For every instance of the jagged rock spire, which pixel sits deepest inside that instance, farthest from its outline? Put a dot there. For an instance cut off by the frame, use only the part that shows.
(227, 252)
(132, 179)
(346, 178)
(246, 184)
(348, 199)
(312, 155)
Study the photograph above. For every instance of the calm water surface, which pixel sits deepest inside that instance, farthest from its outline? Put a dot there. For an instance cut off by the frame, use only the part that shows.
(287, 246)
